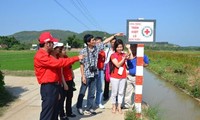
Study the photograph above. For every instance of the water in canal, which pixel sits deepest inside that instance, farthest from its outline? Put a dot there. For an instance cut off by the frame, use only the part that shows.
(174, 104)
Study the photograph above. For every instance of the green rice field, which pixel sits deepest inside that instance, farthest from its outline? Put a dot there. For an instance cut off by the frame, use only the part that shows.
(22, 60)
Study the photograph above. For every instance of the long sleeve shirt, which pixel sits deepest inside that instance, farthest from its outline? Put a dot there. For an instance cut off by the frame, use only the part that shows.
(46, 66)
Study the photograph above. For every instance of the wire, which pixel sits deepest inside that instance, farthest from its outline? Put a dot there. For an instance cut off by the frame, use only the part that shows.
(77, 7)
(88, 13)
(71, 14)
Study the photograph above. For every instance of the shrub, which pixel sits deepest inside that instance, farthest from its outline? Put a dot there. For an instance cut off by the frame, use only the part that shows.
(1, 81)
(5, 96)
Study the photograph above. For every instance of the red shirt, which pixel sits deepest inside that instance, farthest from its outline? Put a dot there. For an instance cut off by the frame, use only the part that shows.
(46, 66)
(101, 60)
(59, 75)
(68, 72)
(115, 74)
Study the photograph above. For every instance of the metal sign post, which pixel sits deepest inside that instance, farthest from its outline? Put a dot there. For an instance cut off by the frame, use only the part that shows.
(140, 32)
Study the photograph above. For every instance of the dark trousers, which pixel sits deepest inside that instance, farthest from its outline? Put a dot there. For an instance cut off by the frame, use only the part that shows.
(67, 95)
(106, 90)
(49, 95)
(61, 102)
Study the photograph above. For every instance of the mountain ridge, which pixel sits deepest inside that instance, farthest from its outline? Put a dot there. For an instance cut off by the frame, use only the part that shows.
(32, 36)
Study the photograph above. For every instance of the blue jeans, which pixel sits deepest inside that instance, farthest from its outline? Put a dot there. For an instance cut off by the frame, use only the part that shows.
(90, 83)
(99, 91)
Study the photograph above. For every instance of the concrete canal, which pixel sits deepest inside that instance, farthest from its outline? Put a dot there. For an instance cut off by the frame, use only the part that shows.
(172, 102)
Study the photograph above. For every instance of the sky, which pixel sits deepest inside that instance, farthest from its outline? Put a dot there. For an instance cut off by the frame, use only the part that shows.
(177, 21)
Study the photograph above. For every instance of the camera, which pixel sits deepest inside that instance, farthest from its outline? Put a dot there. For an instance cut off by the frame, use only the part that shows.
(92, 69)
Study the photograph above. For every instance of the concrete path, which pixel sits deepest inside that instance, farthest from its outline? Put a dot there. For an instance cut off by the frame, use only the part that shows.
(28, 104)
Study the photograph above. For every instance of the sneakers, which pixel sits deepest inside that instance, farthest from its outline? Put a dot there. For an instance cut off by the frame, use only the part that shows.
(80, 111)
(90, 111)
(101, 106)
(126, 106)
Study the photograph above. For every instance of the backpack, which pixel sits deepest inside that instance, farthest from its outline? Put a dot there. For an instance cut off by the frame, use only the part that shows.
(109, 67)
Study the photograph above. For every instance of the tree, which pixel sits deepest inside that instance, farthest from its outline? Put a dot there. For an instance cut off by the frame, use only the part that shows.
(1, 81)
(74, 42)
(70, 40)
(8, 42)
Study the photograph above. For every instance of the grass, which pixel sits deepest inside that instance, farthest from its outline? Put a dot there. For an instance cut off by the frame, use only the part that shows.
(150, 113)
(16, 60)
(20, 63)
(131, 115)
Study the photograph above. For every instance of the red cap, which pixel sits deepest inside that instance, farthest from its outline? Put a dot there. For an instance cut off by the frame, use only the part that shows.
(55, 40)
(46, 37)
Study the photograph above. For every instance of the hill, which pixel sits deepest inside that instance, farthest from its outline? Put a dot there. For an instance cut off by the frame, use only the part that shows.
(32, 36)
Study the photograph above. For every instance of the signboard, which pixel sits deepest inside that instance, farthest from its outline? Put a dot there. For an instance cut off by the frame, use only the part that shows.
(141, 31)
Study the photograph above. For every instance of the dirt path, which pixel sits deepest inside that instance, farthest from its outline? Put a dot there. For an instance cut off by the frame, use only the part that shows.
(27, 105)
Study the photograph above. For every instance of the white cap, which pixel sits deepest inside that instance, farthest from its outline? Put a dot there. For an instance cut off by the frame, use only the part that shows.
(57, 44)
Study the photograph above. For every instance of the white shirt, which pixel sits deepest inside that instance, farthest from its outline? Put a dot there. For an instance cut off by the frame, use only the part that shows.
(108, 53)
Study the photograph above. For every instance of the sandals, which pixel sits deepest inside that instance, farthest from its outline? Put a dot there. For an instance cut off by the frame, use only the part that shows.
(120, 110)
(113, 110)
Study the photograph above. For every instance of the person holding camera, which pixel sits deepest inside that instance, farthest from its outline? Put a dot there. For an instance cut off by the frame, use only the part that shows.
(89, 71)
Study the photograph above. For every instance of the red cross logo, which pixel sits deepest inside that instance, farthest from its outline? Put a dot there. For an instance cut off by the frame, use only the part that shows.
(147, 31)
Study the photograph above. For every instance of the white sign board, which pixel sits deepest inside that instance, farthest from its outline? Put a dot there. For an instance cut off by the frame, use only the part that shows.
(141, 31)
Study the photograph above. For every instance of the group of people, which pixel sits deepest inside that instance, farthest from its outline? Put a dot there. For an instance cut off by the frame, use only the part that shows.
(54, 72)
(53, 69)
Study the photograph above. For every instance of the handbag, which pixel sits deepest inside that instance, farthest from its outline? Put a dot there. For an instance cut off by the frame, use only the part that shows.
(107, 72)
